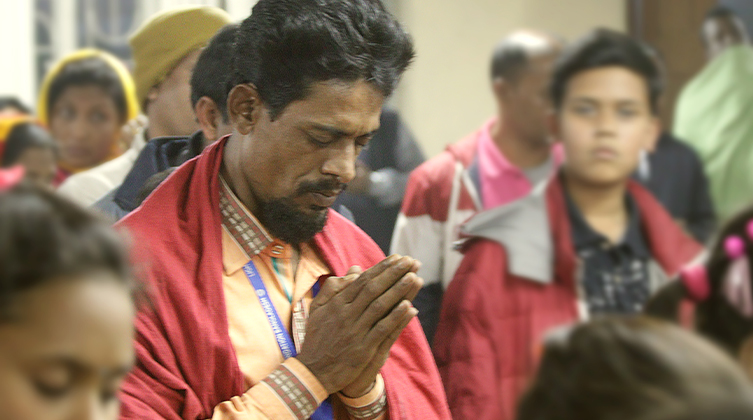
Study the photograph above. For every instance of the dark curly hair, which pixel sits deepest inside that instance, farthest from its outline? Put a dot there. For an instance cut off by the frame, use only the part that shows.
(210, 74)
(287, 45)
(605, 48)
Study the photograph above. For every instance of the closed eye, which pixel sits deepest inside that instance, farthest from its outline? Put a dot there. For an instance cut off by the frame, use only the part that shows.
(317, 141)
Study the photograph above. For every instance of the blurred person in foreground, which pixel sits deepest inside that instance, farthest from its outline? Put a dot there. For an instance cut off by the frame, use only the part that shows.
(85, 100)
(209, 80)
(714, 112)
(715, 295)
(25, 143)
(242, 245)
(376, 193)
(589, 242)
(674, 173)
(495, 165)
(634, 369)
(165, 49)
(66, 308)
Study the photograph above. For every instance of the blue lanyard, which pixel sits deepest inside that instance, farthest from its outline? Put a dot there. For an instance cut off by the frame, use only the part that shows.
(287, 347)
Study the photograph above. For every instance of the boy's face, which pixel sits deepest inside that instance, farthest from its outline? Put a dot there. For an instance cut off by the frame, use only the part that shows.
(604, 122)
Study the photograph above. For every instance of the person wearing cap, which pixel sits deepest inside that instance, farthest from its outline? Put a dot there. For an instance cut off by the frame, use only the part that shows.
(209, 99)
(164, 53)
(85, 100)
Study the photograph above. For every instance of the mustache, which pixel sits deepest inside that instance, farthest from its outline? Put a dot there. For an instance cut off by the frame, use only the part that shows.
(324, 186)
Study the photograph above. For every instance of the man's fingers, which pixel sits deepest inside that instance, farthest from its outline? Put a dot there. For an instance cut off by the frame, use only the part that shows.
(330, 288)
(384, 349)
(409, 284)
(369, 275)
(400, 316)
(416, 266)
(354, 270)
(382, 283)
(417, 286)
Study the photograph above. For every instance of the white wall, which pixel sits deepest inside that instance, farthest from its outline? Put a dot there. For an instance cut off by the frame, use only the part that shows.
(238, 9)
(18, 70)
(446, 93)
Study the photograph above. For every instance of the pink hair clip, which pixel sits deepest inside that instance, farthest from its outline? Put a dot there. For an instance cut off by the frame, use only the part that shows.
(734, 247)
(11, 177)
(696, 282)
(736, 285)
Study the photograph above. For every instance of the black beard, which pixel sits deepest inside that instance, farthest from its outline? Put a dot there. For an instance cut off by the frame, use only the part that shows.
(284, 221)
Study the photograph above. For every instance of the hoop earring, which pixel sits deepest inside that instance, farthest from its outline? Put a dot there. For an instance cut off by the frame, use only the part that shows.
(644, 167)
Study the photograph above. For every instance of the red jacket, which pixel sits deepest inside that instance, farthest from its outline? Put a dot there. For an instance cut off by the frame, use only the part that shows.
(186, 362)
(517, 280)
(439, 197)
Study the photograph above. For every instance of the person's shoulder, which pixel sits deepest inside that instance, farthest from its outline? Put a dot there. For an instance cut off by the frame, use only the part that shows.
(519, 233)
(436, 169)
(89, 186)
(526, 214)
(170, 203)
(685, 152)
(675, 145)
(109, 174)
(440, 168)
(667, 236)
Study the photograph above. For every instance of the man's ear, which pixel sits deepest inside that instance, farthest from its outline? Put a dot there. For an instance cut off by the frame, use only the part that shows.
(207, 114)
(153, 92)
(244, 107)
(151, 96)
(501, 88)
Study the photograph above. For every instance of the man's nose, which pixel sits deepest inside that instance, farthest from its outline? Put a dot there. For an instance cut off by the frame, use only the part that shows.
(341, 162)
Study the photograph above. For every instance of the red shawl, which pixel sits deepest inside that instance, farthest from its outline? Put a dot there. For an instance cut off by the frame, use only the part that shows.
(186, 362)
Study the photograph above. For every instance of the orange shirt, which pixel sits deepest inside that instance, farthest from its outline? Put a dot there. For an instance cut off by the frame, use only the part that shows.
(288, 274)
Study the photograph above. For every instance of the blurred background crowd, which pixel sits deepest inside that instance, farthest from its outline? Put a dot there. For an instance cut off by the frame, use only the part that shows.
(100, 101)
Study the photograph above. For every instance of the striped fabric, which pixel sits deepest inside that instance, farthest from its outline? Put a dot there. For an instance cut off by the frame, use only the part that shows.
(292, 392)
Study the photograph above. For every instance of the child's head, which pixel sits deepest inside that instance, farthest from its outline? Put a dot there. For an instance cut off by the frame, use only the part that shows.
(605, 93)
(12, 105)
(629, 368)
(66, 310)
(85, 100)
(25, 143)
(721, 288)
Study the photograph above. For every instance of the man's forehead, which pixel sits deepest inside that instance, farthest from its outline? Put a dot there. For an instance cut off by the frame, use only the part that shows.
(340, 106)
